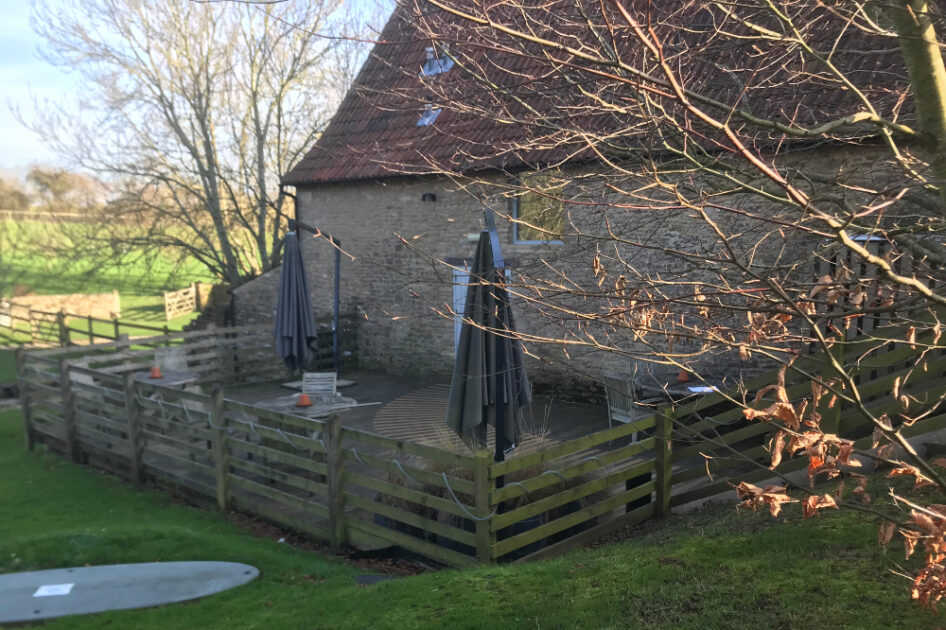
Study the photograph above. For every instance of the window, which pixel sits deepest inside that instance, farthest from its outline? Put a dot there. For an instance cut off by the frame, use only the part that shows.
(436, 64)
(428, 116)
(539, 211)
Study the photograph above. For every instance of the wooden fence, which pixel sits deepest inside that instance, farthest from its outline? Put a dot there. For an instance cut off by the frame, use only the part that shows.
(44, 328)
(356, 487)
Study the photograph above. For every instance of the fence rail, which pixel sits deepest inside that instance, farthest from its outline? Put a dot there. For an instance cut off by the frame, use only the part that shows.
(351, 486)
(63, 328)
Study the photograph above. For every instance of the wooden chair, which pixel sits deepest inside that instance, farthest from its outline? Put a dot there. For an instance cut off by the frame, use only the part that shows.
(622, 404)
(322, 384)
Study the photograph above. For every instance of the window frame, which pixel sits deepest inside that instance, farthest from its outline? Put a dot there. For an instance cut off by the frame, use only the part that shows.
(514, 213)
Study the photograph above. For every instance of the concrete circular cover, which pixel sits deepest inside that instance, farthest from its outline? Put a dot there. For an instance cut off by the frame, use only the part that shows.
(82, 590)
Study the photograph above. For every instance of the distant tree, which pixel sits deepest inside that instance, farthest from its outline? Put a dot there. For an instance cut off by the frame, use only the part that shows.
(13, 197)
(59, 191)
(193, 111)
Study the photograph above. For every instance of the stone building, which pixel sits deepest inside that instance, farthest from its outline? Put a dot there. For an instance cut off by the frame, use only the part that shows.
(375, 181)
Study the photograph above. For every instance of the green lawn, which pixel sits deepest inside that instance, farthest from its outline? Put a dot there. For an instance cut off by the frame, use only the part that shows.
(716, 569)
(28, 266)
(31, 264)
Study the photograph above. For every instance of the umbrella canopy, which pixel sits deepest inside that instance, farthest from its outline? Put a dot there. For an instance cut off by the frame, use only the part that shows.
(295, 322)
(489, 383)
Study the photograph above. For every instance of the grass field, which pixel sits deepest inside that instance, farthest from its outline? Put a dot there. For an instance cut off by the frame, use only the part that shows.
(31, 264)
(715, 569)
(29, 267)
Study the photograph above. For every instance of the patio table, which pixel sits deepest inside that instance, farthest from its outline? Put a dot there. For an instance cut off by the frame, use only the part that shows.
(322, 406)
(666, 386)
(169, 378)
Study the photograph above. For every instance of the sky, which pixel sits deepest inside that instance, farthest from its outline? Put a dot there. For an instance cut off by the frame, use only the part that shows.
(24, 75)
(23, 72)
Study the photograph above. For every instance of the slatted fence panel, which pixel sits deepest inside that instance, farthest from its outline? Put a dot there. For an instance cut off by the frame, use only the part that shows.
(568, 493)
(415, 496)
(716, 447)
(277, 467)
(100, 419)
(41, 395)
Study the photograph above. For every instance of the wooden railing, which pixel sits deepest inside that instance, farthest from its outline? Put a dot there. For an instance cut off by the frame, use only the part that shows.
(350, 486)
(64, 329)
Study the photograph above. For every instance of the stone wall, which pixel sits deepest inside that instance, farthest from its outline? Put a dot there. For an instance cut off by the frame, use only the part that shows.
(255, 301)
(402, 249)
(102, 305)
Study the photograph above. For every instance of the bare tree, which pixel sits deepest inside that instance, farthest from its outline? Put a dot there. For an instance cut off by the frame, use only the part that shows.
(730, 182)
(193, 111)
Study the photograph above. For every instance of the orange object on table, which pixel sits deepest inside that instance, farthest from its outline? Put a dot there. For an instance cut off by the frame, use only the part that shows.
(303, 401)
(156, 372)
(683, 376)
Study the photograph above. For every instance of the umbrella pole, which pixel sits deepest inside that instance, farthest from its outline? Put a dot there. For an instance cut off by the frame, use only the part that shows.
(500, 392)
(338, 258)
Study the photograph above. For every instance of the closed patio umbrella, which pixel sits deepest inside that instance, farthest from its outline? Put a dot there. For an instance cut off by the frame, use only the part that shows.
(489, 384)
(295, 322)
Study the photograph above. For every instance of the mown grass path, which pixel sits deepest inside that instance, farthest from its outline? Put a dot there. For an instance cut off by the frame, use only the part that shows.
(716, 569)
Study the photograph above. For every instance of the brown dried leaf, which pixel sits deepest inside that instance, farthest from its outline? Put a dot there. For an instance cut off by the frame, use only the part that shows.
(885, 533)
(862, 494)
(876, 436)
(885, 451)
(924, 522)
(775, 503)
(910, 539)
(813, 503)
(939, 508)
(844, 454)
(777, 445)
(778, 411)
(823, 282)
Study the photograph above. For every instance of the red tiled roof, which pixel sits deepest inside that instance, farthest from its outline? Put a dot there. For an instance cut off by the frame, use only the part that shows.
(374, 133)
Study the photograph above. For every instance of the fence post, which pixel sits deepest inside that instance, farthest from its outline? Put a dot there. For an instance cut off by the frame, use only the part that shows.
(218, 421)
(831, 414)
(63, 332)
(336, 490)
(68, 410)
(663, 447)
(195, 287)
(167, 336)
(116, 324)
(133, 411)
(481, 488)
(29, 314)
(23, 386)
(91, 334)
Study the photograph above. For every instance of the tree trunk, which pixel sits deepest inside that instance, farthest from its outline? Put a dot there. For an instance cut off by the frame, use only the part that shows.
(924, 58)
